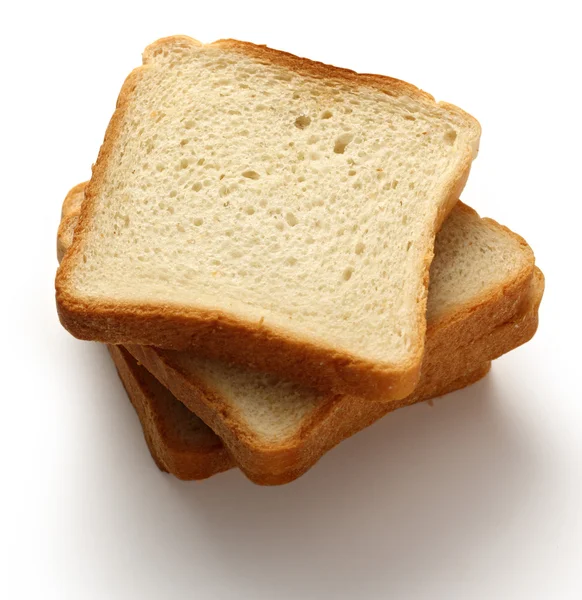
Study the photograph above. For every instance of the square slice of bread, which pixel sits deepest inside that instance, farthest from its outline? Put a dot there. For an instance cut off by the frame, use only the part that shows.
(276, 430)
(268, 210)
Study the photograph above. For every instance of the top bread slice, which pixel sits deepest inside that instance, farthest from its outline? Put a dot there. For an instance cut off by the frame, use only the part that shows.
(268, 210)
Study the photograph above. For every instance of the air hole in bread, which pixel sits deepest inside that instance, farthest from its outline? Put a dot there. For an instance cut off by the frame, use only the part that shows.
(341, 142)
(302, 122)
(450, 137)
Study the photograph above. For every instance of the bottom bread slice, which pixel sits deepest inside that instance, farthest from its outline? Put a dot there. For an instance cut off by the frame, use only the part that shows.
(184, 446)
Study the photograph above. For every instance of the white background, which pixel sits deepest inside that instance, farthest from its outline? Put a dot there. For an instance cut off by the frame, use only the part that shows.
(478, 497)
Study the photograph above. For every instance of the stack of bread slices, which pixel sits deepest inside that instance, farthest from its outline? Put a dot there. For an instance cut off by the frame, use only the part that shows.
(274, 252)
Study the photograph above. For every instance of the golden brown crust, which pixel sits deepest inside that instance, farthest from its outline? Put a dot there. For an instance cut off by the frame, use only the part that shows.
(218, 335)
(74, 199)
(65, 233)
(316, 69)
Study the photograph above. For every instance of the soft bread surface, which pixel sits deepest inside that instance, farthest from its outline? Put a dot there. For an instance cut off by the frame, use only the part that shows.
(276, 430)
(268, 210)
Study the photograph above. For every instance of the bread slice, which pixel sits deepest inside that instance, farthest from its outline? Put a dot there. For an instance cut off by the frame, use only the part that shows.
(268, 210)
(276, 431)
(179, 442)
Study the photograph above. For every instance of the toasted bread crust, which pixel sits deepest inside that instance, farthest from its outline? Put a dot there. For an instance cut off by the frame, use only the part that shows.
(218, 335)
(73, 200)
